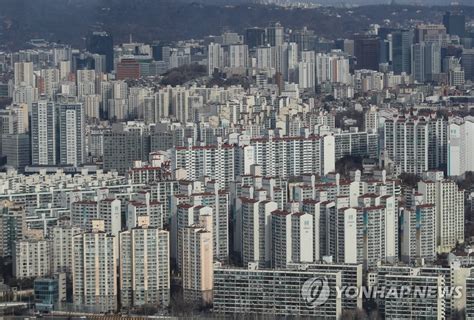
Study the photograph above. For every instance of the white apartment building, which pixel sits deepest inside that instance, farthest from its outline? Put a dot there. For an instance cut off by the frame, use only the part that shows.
(197, 271)
(72, 144)
(215, 57)
(49, 79)
(449, 205)
(415, 144)
(306, 75)
(291, 156)
(366, 233)
(460, 147)
(239, 291)
(31, 258)
(144, 266)
(418, 233)
(94, 272)
(411, 306)
(62, 247)
(238, 56)
(253, 229)
(292, 238)
(332, 67)
(216, 162)
(43, 133)
(24, 74)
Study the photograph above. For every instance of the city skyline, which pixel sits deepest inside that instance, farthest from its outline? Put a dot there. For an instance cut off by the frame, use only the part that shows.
(260, 167)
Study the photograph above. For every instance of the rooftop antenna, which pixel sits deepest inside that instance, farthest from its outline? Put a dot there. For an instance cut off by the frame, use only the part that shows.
(131, 38)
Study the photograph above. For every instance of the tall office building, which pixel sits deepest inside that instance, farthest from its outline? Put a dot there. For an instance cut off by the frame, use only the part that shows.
(304, 38)
(144, 266)
(401, 50)
(293, 58)
(157, 51)
(94, 272)
(367, 52)
(467, 62)
(71, 134)
(254, 37)
(345, 45)
(102, 43)
(43, 133)
(455, 24)
(275, 35)
(426, 61)
(16, 150)
(418, 62)
(430, 32)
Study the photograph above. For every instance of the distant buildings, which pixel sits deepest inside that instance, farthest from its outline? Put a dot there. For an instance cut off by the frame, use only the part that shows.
(455, 23)
(102, 43)
(255, 37)
(367, 51)
(275, 35)
(273, 165)
(402, 41)
(31, 258)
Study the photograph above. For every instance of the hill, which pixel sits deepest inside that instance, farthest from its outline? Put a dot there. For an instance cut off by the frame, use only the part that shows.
(147, 20)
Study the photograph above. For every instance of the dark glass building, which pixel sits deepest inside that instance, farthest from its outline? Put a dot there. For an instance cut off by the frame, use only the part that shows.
(367, 52)
(455, 24)
(255, 37)
(102, 43)
(401, 51)
(157, 51)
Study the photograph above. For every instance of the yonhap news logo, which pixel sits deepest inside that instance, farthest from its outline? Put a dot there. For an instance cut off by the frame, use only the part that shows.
(316, 292)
